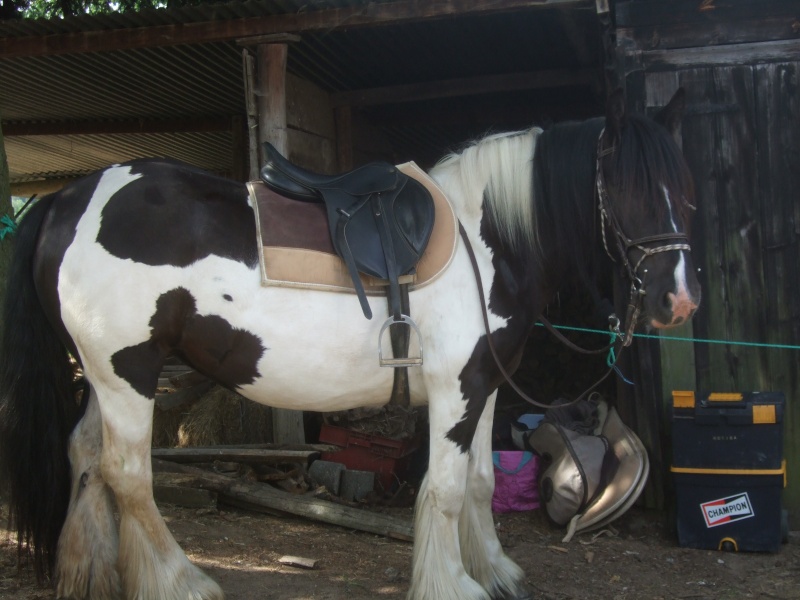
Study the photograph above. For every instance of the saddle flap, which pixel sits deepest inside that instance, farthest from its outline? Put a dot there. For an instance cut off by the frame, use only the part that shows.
(409, 213)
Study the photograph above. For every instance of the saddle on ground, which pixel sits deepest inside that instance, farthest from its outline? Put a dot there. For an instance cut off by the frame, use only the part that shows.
(380, 219)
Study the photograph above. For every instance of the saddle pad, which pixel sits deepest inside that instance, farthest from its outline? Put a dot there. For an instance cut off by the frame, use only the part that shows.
(297, 250)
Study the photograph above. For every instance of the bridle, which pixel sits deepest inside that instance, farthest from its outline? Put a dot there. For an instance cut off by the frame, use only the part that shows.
(679, 241)
(608, 220)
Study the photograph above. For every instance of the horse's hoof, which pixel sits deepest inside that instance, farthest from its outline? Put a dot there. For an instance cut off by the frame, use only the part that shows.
(520, 594)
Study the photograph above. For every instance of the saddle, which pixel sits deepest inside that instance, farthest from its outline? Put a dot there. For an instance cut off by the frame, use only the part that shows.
(380, 221)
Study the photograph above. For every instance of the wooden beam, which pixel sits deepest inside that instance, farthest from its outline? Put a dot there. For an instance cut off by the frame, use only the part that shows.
(127, 126)
(287, 425)
(467, 86)
(265, 498)
(272, 38)
(370, 14)
(728, 55)
(244, 455)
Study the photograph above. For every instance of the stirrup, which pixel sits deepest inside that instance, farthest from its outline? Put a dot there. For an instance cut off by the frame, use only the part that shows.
(410, 361)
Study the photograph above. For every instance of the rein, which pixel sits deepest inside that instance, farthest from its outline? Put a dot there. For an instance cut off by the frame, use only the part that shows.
(624, 246)
(493, 349)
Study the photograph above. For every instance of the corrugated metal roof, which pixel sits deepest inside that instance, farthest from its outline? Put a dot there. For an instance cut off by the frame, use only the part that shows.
(204, 80)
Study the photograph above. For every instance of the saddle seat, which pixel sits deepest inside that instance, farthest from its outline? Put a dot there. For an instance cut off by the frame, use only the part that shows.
(285, 177)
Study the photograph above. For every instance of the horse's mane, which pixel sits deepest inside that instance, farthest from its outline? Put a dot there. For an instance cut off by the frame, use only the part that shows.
(498, 170)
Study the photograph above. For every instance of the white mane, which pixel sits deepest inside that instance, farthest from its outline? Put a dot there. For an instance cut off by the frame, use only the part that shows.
(500, 168)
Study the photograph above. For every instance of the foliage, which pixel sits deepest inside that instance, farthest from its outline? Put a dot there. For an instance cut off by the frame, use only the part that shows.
(56, 9)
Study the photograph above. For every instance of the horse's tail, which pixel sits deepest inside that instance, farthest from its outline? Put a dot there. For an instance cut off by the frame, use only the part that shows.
(36, 406)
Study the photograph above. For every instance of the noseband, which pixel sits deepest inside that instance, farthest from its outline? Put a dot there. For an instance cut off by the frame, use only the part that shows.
(677, 241)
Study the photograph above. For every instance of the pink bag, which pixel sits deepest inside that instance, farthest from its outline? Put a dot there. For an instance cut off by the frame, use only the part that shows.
(515, 481)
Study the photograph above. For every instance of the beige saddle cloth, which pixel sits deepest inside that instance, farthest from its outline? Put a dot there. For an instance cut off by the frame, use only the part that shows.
(297, 251)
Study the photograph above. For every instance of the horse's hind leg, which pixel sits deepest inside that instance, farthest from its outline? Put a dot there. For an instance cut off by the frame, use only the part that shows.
(151, 564)
(86, 565)
(483, 555)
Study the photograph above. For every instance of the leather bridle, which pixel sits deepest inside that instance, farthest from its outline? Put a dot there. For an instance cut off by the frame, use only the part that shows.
(679, 241)
(608, 220)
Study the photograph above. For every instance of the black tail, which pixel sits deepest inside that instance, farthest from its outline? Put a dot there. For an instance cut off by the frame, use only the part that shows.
(36, 406)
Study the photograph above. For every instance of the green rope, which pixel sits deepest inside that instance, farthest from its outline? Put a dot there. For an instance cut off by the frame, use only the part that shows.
(681, 339)
(10, 226)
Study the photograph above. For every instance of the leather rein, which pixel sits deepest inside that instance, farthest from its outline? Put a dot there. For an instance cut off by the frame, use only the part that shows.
(679, 241)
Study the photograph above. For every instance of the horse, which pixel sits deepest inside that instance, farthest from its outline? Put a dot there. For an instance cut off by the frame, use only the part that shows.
(151, 259)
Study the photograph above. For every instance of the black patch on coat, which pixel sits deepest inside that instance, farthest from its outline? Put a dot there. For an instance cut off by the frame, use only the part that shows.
(66, 207)
(514, 296)
(209, 344)
(175, 214)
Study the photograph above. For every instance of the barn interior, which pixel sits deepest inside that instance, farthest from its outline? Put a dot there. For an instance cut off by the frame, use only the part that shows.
(364, 80)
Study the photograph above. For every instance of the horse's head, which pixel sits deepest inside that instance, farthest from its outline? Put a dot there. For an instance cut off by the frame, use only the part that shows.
(646, 196)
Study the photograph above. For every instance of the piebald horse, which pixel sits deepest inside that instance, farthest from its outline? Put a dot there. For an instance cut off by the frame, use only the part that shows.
(151, 259)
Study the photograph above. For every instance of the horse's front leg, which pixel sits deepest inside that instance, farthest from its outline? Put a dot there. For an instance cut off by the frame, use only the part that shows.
(483, 555)
(151, 564)
(438, 571)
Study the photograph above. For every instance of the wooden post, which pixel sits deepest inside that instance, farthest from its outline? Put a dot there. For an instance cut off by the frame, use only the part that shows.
(287, 425)
(248, 69)
(272, 95)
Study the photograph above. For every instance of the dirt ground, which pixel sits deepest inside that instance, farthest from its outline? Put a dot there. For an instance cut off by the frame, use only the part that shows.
(639, 559)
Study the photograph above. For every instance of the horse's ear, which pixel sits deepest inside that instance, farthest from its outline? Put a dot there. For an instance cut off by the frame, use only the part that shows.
(615, 113)
(672, 114)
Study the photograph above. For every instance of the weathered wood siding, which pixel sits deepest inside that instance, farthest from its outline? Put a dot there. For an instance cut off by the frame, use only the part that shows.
(741, 136)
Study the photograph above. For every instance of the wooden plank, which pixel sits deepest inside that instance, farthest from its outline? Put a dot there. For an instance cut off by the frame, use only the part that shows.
(721, 151)
(187, 497)
(244, 455)
(366, 15)
(663, 37)
(468, 86)
(299, 561)
(344, 137)
(727, 55)
(308, 108)
(199, 124)
(251, 108)
(640, 13)
(264, 497)
(270, 38)
(777, 117)
(312, 151)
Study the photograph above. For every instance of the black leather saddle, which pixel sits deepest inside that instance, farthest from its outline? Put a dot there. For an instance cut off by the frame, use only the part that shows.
(380, 219)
